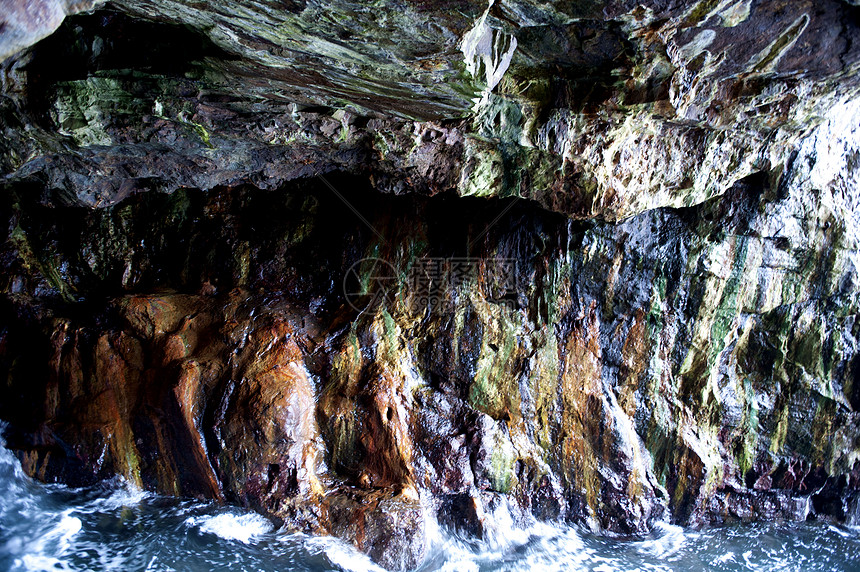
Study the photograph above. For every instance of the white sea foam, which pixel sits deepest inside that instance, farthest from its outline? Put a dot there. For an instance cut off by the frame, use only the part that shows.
(242, 527)
(724, 558)
(670, 541)
(126, 495)
(58, 537)
(8, 461)
(342, 554)
(38, 563)
(56, 540)
(840, 531)
(503, 536)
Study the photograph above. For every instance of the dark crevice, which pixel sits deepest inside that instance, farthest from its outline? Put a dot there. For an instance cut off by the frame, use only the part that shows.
(184, 240)
(107, 43)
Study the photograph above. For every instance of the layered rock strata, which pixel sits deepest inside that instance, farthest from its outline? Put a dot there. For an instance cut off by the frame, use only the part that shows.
(371, 267)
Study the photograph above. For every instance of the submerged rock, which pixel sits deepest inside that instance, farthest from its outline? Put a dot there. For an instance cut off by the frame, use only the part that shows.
(665, 329)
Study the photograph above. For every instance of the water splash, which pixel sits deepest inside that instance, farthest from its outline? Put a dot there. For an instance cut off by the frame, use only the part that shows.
(115, 526)
(242, 527)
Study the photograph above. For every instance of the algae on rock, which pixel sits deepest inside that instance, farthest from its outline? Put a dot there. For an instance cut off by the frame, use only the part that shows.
(671, 188)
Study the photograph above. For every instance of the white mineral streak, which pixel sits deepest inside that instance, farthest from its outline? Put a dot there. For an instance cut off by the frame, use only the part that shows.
(735, 13)
(768, 58)
(699, 44)
(487, 50)
(822, 181)
(824, 186)
(630, 444)
(835, 146)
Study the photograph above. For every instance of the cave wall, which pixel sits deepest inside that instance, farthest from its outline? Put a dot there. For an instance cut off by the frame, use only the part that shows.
(364, 266)
(595, 109)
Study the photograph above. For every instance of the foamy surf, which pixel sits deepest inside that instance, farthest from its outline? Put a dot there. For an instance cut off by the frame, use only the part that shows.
(126, 495)
(36, 563)
(115, 527)
(42, 551)
(244, 528)
(343, 555)
(669, 541)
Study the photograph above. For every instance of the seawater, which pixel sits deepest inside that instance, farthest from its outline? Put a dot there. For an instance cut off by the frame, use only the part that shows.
(115, 527)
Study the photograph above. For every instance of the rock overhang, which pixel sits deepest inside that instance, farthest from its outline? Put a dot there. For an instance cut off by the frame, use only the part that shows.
(596, 109)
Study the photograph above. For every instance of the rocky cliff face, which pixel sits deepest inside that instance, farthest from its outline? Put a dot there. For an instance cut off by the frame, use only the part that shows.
(370, 266)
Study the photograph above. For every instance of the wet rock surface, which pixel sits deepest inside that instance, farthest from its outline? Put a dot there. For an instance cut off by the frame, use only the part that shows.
(588, 262)
(660, 390)
(596, 109)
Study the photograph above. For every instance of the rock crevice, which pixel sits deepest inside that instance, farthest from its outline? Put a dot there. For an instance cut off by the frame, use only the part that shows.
(371, 267)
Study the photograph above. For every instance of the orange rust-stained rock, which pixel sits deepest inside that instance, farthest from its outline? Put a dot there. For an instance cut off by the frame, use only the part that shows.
(364, 412)
(597, 440)
(569, 399)
(267, 427)
(189, 395)
(634, 356)
(385, 523)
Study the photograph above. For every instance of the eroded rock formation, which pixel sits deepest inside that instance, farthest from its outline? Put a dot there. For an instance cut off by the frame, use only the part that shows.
(591, 262)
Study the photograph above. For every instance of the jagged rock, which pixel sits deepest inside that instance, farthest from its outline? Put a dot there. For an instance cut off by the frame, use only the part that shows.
(597, 111)
(387, 525)
(666, 328)
(25, 22)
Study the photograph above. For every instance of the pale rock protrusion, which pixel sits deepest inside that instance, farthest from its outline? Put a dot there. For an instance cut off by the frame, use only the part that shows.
(25, 22)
